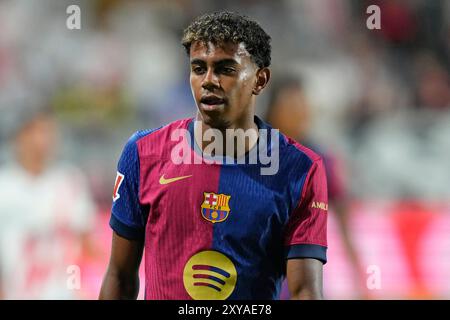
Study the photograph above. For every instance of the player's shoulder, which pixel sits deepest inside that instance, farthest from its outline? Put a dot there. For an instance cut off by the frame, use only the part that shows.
(160, 132)
(153, 141)
(298, 149)
(288, 147)
(298, 159)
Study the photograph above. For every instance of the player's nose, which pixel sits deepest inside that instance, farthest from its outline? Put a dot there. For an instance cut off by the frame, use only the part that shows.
(210, 80)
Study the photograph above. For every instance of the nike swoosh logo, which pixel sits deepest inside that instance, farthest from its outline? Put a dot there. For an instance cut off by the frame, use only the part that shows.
(163, 180)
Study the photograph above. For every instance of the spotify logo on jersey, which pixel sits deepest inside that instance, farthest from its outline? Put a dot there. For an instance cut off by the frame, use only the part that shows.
(209, 275)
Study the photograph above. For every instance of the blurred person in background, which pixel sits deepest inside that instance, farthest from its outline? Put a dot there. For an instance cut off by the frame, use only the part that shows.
(46, 213)
(290, 112)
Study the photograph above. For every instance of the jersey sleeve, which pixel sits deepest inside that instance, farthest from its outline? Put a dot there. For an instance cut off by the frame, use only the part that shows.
(128, 215)
(306, 233)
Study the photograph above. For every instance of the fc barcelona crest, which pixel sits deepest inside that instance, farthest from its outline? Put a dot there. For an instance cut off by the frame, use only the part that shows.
(215, 207)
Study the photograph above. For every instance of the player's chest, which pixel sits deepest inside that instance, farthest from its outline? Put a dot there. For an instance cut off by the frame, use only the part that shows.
(216, 195)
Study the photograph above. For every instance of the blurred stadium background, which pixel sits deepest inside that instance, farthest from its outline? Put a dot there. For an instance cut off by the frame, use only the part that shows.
(380, 101)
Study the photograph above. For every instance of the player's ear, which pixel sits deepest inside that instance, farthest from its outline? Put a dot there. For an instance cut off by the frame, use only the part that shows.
(262, 79)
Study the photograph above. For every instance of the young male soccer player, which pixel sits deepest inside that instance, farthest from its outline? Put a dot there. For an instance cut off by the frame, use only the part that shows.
(219, 229)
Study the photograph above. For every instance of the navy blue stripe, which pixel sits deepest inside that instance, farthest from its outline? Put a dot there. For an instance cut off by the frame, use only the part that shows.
(207, 285)
(313, 251)
(211, 268)
(125, 231)
(205, 276)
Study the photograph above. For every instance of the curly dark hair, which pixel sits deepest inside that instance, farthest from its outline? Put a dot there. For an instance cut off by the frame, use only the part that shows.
(225, 26)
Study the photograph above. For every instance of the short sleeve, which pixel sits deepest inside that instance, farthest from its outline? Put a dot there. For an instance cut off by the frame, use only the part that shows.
(128, 215)
(306, 232)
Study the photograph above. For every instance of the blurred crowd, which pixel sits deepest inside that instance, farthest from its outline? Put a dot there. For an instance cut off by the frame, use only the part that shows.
(379, 99)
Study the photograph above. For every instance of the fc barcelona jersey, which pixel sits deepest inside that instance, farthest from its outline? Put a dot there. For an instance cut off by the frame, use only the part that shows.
(218, 230)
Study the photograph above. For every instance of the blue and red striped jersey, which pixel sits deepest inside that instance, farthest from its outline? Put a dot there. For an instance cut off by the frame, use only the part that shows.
(218, 230)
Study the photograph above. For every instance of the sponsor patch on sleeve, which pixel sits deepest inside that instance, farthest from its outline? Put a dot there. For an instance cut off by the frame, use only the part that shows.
(119, 179)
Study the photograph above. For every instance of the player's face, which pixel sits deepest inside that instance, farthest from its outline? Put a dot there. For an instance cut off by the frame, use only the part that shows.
(224, 80)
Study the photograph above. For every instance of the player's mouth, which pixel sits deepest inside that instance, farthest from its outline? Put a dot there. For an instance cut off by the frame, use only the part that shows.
(211, 102)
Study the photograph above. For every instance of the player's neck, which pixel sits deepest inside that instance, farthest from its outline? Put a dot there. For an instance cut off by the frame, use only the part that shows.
(237, 138)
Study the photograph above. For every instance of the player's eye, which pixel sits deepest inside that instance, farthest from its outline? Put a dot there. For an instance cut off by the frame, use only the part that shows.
(198, 70)
(227, 70)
